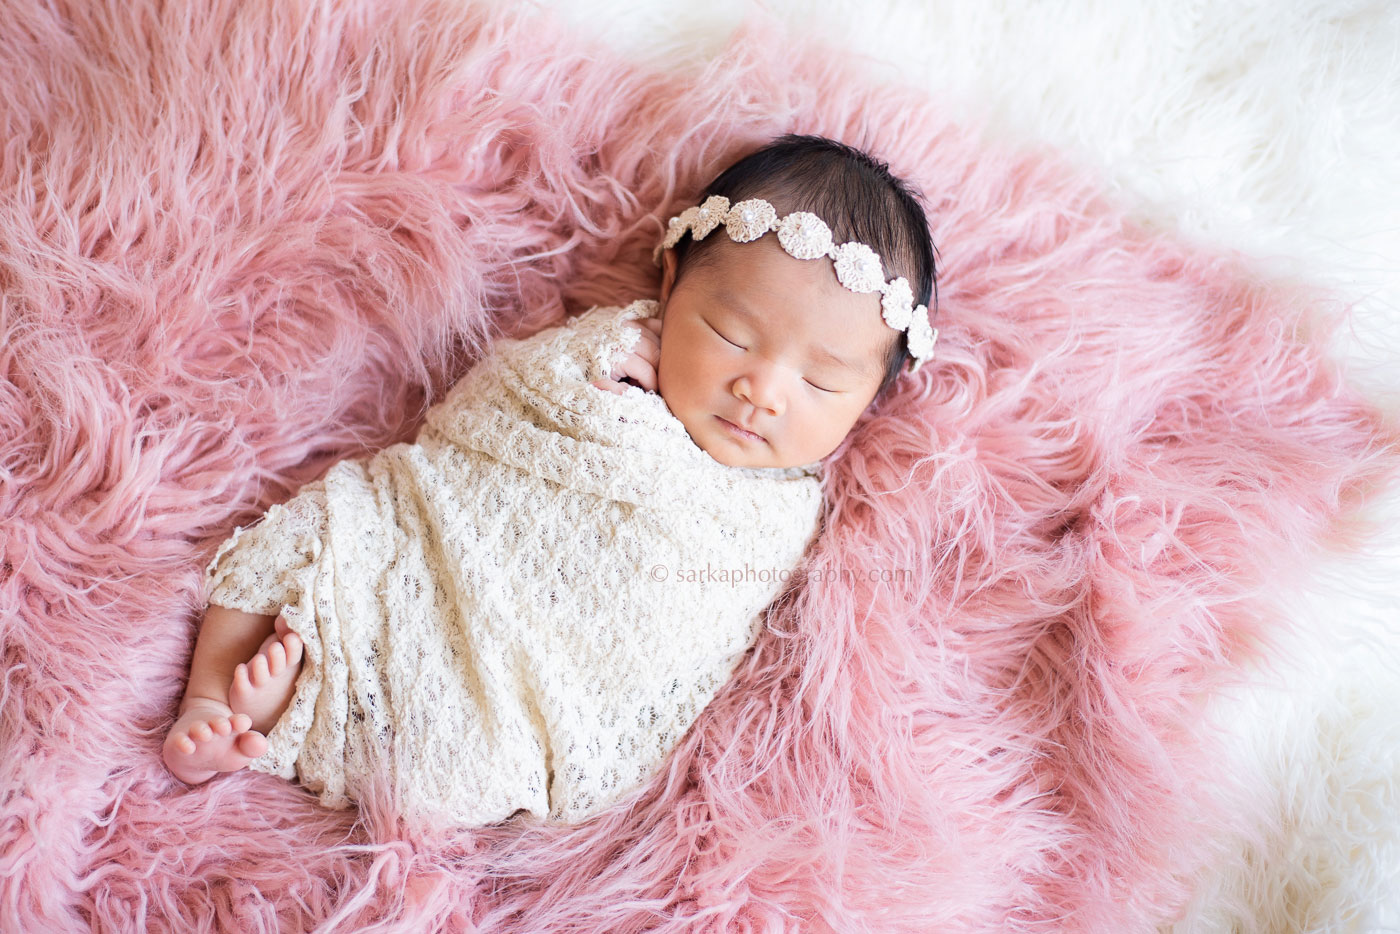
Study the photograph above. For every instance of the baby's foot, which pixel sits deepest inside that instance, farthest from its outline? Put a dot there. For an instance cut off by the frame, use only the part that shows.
(207, 739)
(263, 686)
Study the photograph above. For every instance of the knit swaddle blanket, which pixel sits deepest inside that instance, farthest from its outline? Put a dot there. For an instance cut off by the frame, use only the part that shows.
(521, 609)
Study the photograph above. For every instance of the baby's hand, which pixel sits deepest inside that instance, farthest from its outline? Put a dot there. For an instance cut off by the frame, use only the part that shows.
(639, 365)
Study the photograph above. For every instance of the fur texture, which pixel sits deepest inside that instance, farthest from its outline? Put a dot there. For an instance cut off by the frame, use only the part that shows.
(246, 240)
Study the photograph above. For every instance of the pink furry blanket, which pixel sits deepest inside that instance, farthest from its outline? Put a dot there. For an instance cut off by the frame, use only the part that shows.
(241, 240)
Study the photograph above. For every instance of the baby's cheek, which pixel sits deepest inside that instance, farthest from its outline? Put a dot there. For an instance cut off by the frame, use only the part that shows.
(836, 425)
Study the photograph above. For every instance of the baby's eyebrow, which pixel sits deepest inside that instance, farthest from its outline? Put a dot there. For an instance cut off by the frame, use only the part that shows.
(820, 353)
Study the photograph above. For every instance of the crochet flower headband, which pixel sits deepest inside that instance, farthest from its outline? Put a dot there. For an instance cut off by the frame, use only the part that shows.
(805, 236)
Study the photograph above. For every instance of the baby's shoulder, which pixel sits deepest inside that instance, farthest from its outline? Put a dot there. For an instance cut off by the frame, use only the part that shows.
(585, 342)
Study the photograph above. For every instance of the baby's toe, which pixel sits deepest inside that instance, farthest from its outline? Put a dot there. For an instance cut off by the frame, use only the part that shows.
(200, 732)
(276, 658)
(241, 722)
(221, 726)
(293, 643)
(257, 670)
(251, 744)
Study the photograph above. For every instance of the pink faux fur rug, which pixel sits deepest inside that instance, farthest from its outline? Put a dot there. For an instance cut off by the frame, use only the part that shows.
(241, 240)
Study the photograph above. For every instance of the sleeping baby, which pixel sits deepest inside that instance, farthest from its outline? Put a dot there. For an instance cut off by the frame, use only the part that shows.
(529, 606)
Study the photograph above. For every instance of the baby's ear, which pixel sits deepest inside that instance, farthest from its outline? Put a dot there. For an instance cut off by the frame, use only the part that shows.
(668, 277)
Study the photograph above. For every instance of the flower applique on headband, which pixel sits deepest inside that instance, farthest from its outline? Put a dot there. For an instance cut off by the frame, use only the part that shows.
(805, 236)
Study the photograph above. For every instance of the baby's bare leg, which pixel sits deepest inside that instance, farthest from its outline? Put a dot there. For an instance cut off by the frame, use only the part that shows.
(264, 685)
(209, 737)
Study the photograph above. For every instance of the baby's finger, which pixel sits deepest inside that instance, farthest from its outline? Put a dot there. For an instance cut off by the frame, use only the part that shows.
(608, 385)
(647, 337)
(649, 349)
(640, 370)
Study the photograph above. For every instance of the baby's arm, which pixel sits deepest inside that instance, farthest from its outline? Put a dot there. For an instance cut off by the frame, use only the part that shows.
(641, 364)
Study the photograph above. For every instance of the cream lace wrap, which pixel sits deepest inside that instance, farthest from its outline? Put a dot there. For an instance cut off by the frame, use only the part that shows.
(513, 612)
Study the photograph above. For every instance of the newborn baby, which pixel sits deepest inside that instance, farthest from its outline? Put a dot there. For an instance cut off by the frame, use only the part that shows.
(528, 607)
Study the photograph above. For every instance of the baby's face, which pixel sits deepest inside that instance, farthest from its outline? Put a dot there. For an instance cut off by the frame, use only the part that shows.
(756, 338)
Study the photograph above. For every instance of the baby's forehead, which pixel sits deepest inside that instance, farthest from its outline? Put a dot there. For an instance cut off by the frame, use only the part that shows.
(762, 265)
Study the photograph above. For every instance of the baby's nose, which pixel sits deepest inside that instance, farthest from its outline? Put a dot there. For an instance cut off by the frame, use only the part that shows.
(761, 389)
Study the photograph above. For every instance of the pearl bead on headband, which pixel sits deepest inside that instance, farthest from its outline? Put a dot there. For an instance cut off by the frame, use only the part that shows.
(805, 236)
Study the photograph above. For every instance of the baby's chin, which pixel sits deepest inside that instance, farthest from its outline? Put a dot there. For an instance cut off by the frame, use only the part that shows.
(729, 457)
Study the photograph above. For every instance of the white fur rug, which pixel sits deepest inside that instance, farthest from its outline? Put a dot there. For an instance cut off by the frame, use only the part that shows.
(1269, 127)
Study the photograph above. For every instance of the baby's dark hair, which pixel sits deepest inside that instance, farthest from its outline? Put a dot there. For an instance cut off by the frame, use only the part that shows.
(857, 197)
